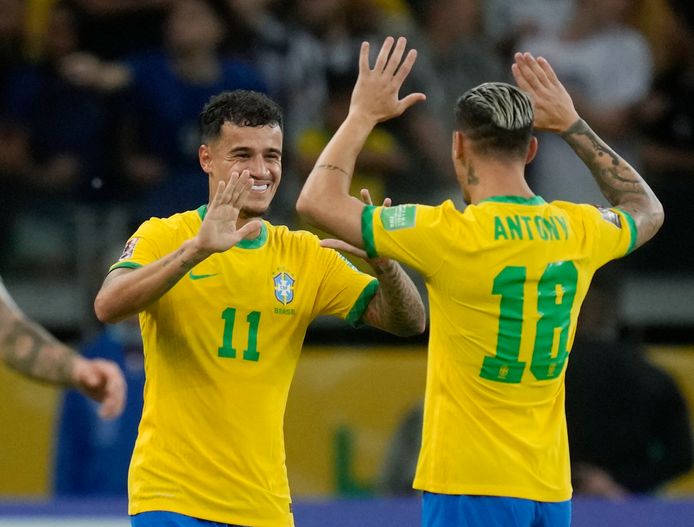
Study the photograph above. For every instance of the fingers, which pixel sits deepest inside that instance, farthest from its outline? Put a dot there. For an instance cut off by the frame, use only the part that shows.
(364, 57)
(406, 67)
(547, 68)
(105, 383)
(366, 198)
(339, 245)
(382, 58)
(525, 75)
(396, 57)
(242, 189)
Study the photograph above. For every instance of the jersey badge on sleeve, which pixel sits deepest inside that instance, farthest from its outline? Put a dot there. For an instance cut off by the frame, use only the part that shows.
(611, 216)
(129, 249)
(399, 217)
(284, 287)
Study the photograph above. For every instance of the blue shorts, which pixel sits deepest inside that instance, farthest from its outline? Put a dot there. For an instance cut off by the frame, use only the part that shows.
(445, 510)
(171, 519)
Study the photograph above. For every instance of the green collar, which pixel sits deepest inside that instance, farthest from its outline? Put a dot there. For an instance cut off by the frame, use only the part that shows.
(518, 200)
(255, 243)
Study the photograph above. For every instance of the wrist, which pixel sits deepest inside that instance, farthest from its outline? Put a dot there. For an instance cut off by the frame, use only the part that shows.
(360, 120)
(571, 124)
(78, 370)
(194, 250)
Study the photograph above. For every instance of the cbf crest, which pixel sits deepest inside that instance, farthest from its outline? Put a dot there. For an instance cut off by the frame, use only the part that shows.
(284, 288)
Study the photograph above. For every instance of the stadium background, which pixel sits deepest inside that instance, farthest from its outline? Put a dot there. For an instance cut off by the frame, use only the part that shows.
(352, 389)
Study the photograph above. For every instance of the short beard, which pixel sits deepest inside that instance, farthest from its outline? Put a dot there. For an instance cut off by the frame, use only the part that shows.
(249, 213)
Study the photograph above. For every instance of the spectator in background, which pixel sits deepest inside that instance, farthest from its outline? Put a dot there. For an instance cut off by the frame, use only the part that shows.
(163, 92)
(627, 420)
(508, 21)
(668, 154)
(92, 455)
(606, 67)
(458, 56)
(57, 153)
(11, 149)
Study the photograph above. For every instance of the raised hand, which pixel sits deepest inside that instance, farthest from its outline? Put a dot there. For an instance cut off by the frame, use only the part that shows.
(376, 93)
(554, 109)
(339, 245)
(218, 231)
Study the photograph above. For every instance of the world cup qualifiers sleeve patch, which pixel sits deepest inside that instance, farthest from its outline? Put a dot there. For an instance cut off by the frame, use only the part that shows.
(129, 249)
(611, 216)
(400, 217)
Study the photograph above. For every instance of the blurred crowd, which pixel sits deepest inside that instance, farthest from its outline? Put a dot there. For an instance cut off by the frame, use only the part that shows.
(99, 102)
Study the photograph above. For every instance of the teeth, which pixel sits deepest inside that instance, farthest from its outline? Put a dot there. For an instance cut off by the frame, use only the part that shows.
(260, 188)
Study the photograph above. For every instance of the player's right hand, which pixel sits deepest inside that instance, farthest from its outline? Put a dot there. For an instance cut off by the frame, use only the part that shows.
(218, 231)
(554, 109)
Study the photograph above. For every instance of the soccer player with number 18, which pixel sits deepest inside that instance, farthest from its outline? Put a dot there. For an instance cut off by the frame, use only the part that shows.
(506, 278)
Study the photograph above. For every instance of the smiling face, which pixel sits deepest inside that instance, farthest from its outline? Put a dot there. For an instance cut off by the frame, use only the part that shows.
(257, 149)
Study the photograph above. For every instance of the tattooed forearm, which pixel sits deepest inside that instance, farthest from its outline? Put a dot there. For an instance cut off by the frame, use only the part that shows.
(615, 176)
(334, 167)
(397, 306)
(31, 351)
(619, 182)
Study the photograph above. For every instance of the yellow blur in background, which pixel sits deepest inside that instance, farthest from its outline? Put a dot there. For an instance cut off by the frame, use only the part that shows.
(344, 407)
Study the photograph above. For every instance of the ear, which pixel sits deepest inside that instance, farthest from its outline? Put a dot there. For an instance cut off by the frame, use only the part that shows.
(457, 146)
(532, 150)
(205, 158)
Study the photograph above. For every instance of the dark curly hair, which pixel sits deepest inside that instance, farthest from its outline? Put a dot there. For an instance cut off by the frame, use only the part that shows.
(239, 107)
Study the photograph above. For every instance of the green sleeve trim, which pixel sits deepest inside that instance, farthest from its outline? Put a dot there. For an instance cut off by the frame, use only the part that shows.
(357, 311)
(125, 265)
(632, 229)
(367, 230)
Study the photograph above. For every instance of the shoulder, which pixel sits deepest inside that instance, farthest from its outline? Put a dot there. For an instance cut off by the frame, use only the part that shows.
(284, 235)
(182, 221)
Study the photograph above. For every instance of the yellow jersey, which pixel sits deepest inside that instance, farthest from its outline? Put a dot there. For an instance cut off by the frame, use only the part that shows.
(506, 279)
(220, 351)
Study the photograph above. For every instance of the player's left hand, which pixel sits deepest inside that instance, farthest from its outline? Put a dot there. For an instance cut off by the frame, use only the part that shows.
(339, 245)
(376, 93)
(103, 381)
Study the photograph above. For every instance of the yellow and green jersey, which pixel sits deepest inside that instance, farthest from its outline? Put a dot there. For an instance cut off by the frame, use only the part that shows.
(506, 279)
(220, 350)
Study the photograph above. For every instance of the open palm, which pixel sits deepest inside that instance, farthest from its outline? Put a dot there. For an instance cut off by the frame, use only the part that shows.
(218, 231)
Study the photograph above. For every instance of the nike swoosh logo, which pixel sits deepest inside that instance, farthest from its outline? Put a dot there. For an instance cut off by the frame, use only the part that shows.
(193, 276)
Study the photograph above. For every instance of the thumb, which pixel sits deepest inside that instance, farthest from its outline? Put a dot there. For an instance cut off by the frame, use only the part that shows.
(412, 99)
(251, 229)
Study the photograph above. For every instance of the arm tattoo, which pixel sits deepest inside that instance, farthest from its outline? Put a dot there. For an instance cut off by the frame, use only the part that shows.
(185, 266)
(614, 176)
(334, 167)
(618, 181)
(396, 306)
(27, 348)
